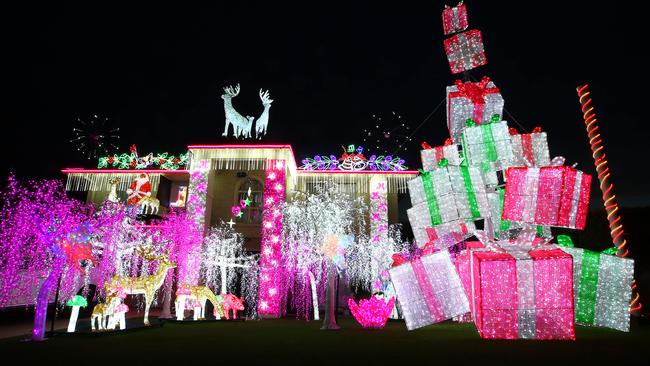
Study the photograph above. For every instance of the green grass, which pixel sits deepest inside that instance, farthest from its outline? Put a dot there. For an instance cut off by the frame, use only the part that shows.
(289, 341)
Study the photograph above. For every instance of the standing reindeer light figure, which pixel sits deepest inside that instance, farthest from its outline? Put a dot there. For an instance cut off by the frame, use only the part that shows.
(263, 121)
(241, 125)
(144, 285)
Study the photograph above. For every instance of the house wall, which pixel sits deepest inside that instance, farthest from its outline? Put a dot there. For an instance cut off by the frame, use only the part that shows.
(222, 194)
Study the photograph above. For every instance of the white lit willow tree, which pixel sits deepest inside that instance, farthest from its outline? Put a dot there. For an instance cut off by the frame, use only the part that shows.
(325, 234)
(227, 266)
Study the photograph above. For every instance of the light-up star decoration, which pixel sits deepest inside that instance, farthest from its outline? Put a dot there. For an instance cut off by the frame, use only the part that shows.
(237, 209)
(353, 160)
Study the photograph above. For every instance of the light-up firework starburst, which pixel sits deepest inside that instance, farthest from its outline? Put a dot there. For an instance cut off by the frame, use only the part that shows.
(95, 136)
(387, 134)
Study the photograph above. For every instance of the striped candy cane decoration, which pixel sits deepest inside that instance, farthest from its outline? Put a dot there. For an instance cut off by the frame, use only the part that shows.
(606, 186)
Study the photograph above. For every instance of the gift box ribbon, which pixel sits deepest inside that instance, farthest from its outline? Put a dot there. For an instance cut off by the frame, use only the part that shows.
(476, 93)
(433, 304)
(588, 288)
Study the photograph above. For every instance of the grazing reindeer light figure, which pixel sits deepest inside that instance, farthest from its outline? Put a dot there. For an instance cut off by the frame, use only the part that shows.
(263, 121)
(238, 122)
(145, 285)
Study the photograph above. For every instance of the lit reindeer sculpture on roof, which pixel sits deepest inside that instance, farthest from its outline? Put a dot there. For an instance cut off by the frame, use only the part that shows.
(263, 121)
(242, 126)
(145, 285)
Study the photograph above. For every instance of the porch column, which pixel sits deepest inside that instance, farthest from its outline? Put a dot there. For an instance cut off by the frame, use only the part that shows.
(271, 275)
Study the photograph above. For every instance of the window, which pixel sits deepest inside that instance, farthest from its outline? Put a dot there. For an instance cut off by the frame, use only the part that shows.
(253, 213)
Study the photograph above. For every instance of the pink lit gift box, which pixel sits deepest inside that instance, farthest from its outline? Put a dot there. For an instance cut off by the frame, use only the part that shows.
(551, 196)
(432, 156)
(478, 101)
(465, 51)
(521, 290)
(454, 19)
(530, 149)
(428, 290)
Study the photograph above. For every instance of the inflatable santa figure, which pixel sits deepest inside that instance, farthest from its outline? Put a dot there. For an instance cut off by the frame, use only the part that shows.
(139, 188)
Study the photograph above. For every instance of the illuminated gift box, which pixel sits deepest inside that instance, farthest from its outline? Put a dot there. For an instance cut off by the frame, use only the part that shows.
(428, 290)
(454, 19)
(425, 233)
(530, 149)
(552, 196)
(465, 51)
(431, 157)
(478, 101)
(446, 195)
(488, 145)
(451, 192)
(519, 290)
(602, 286)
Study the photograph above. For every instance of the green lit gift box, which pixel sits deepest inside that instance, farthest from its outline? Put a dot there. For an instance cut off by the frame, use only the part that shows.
(602, 286)
(488, 147)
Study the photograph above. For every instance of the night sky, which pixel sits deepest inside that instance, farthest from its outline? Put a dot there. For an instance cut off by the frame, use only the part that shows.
(157, 72)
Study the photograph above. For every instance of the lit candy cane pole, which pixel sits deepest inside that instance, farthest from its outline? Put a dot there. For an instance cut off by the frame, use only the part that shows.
(270, 267)
(606, 186)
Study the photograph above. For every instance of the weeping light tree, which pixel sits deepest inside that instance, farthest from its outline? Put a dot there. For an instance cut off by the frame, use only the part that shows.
(44, 239)
(224, 259)
(316, 226)
(180, 235)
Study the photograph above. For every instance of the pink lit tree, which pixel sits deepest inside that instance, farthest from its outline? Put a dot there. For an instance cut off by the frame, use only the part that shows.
(44, 237)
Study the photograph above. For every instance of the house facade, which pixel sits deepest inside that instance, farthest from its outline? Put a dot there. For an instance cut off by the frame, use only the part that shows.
(215, 181)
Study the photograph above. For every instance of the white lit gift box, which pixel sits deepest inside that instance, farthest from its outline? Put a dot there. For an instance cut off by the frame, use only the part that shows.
(602, 286)
(428, 290)
(479, 101)
(450, 196)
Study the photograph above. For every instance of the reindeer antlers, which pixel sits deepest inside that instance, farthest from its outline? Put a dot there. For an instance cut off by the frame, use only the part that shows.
(229, 90)
(265, 97)
(147, 253)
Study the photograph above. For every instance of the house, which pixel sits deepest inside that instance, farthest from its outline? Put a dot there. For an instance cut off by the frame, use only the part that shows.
(212, 180)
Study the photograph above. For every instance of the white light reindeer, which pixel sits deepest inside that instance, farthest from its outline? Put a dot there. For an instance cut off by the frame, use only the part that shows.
(263, 121)
(241, 125)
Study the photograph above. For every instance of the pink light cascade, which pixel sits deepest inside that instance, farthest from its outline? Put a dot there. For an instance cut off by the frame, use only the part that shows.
(270, 262)
(39, 242)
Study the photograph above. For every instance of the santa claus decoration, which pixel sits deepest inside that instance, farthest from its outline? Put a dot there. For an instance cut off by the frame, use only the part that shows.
(139, 188)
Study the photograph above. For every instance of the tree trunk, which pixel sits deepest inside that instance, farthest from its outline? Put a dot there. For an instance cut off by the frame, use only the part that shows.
(40, 310)
(314, 295)
(329, 322)
(167, 297)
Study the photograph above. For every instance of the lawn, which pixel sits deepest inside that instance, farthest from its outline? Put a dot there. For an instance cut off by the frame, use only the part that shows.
(290, 341)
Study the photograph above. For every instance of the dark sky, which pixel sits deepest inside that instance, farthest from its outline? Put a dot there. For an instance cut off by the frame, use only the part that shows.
(157, 71)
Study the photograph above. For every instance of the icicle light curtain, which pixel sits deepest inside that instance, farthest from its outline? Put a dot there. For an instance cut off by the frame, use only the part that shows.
(352, 183)
(243, 157)
(91, 181)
